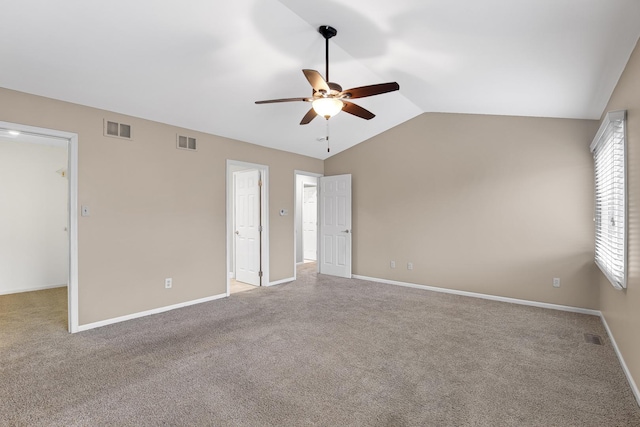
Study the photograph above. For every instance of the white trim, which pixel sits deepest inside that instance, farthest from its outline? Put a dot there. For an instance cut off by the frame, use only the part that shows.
(148, 312)
(312, 174)
(38, 288)
(484, 296)
(74, 283)
(279, 282)
(72, 174)
(264, 169)
(625, 368)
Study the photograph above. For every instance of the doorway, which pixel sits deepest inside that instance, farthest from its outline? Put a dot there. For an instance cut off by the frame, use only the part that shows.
(247, 226)
(57, 153)
(306, 218)
(310, 223)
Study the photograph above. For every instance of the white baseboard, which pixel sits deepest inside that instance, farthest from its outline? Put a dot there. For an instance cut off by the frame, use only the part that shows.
(148, 312)
(279, 282)
(37, 288)
(625, 368)
(485, 296)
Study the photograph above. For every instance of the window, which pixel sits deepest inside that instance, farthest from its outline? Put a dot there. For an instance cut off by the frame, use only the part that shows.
(608, 148)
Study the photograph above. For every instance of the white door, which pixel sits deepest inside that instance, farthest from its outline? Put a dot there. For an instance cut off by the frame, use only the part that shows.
(335, 225)
(310, 222)
(247, 221)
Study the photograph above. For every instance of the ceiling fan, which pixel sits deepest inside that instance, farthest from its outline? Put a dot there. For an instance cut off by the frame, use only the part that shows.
(328, 98)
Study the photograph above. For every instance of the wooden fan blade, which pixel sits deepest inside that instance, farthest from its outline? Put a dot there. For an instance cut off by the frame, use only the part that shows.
(317, 81)
(311, 114)
(357, 110)
(361, 92)
(271, 101)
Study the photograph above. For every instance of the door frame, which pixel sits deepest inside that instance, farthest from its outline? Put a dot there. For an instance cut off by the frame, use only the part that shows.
(72, 174)
(297, 197)
(234, 166)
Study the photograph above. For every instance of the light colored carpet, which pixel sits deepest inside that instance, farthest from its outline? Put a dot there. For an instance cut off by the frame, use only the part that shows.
(318, 351)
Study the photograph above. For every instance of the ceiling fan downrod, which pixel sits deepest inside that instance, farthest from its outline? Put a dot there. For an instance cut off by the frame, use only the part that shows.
(327, 32)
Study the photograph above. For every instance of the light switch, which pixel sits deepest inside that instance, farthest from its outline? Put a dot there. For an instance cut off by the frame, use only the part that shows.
(84, 210)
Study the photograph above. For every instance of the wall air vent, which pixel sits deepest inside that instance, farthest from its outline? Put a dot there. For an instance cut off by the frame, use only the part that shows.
(117, 130)
(186, 143)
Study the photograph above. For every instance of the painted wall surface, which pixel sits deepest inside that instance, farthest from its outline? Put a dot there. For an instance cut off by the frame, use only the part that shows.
(490, 204)
(621, 309)
(33, 217)
(156, 211)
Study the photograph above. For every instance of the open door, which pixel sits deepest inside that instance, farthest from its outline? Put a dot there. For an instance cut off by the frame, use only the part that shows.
(248, 227)
(335, 225)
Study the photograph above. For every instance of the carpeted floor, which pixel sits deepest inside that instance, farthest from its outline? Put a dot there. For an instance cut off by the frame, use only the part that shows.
(318, 351)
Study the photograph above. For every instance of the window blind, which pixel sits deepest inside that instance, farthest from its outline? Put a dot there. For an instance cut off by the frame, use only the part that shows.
(608, 148)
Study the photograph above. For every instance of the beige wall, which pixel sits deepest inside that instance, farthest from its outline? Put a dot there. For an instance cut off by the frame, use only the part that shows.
(621, 309)
(490, 204)
(156, 211)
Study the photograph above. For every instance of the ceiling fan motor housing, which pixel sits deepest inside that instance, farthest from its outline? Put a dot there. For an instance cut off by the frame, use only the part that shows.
(335, 88)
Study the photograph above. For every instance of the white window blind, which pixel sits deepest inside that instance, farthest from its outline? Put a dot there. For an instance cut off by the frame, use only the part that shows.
(608, 148)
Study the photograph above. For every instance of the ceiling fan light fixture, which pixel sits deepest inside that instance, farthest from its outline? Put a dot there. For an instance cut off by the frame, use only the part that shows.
(327, 107)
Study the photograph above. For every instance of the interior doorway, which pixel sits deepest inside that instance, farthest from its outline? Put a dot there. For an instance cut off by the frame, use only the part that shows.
(247, 230)
(42, 236)
(306, 218)
(310, 222)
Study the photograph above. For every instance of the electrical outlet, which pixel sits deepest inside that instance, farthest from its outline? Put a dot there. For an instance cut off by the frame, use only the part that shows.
(556, 282)
(393, 264)
(168, 282)
(409, 266)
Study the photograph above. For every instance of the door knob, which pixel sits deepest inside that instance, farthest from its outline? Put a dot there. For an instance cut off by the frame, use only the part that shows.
(346, 231)
(237, 232)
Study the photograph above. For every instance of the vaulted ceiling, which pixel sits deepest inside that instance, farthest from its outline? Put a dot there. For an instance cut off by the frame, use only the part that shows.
(201, 64)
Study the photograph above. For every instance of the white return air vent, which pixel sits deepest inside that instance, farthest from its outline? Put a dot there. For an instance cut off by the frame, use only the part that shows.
(186, 143)
(117, 130)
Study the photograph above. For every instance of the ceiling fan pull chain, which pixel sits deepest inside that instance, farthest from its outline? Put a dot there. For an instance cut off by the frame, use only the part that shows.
(328, 149)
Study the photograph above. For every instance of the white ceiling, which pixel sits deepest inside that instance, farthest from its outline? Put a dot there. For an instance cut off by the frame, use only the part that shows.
(201, 64)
